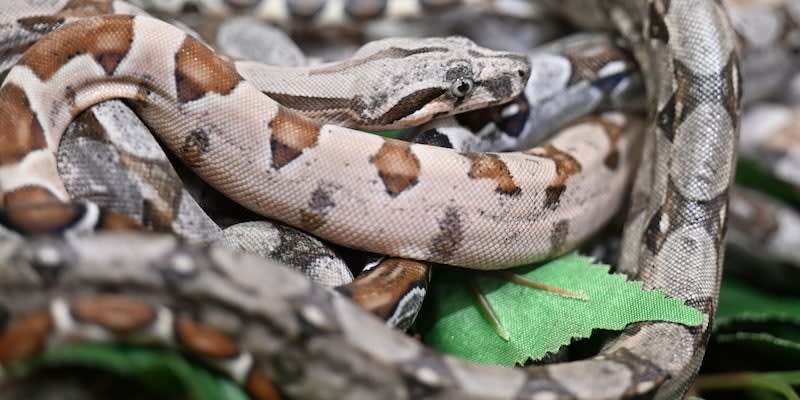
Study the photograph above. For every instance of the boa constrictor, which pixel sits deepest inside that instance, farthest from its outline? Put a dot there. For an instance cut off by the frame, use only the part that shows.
(384, 196)
(379, 95)
(326, 326)
(104, 157)
(318, 12)
(768, 34)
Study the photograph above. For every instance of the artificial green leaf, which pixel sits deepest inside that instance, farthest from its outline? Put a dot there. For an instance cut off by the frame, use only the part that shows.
(163, 371)
(539, 322)
(390, 134)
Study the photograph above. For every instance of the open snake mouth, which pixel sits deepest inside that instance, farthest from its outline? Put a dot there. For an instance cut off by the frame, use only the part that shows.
(432, 109)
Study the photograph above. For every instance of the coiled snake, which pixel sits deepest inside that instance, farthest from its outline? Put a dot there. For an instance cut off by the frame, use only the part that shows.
(673, 240)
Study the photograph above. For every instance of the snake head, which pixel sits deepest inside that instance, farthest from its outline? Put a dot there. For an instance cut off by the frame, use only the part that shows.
(415, 80)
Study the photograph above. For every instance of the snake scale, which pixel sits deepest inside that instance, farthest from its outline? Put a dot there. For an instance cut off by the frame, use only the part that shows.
(251, 317)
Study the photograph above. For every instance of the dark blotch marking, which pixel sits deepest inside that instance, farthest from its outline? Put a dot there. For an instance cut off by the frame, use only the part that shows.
(32, 210)
(41, 218)
(5, 317)
(311, 221)
(199, 71)
(259, 386)
(558, 236)
(195, 146)
(25, 337)
(203, 340)
(451, 234)
(501, 87)
(190, 8)
(291, 134)
(665, 119)
(539, 381)
(587, 61)
(397, 166)
(298, 250)
(107, 40)
(21, 132)
(681, 212)
(553, 195)
(693, 89)
(731, 80)
(438, 5)
(658, 27)
(653, 236)
(612, 159)
(119, 314)
(27, 196)
(321, 198)
(243, 5)
(318, 206)
(365, 9)
(703, 304)
(490, 166)
(380, 289)
(305, 10)
(643, 371)
(566, 166)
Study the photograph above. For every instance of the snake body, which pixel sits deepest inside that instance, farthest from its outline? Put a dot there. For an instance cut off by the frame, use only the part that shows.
(279, 320)
(319, 12)
(388, 175)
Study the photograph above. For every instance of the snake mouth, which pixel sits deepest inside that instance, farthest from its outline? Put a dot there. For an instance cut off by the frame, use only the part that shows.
(433, 109)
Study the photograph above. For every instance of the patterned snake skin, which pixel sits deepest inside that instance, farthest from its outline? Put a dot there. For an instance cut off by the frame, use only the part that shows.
(200, 299)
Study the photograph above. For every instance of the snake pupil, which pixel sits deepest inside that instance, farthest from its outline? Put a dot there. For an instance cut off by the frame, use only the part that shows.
(461, 87)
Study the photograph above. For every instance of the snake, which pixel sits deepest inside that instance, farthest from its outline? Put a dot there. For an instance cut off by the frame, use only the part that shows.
(391, 171)
(641, 361)
(316, 12)
(767, 31)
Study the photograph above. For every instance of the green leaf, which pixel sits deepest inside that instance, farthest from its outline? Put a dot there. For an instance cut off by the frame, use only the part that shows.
(770, 385)
(390, 134)
(737, 299)
(749, 174)
(162, 371)
(539, 322)
(760, 328)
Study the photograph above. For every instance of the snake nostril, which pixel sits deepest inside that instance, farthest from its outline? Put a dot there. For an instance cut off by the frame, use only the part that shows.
(521, 73)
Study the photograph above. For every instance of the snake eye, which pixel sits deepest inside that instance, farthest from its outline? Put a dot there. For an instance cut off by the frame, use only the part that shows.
(461, 87)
